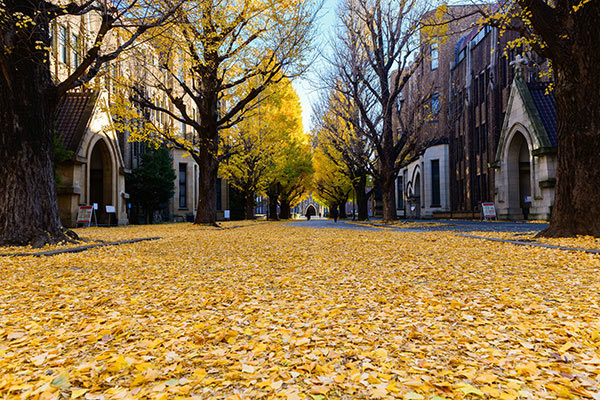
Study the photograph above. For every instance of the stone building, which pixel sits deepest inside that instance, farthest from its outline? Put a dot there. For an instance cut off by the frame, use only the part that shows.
(525, 166)
(425, 188)
(101, 154)
(95, 174)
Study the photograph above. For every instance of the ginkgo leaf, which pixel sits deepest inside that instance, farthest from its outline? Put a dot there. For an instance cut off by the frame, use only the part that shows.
(468, 389)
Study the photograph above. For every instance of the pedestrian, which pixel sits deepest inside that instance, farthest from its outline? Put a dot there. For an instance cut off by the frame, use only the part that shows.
(334, 213)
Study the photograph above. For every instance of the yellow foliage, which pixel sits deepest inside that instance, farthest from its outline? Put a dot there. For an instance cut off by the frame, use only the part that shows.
(270, 310)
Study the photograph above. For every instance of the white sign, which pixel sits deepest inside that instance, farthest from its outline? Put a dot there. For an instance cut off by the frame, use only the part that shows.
(110, 209)
(95, 206)
(227, 214)
(528, 199)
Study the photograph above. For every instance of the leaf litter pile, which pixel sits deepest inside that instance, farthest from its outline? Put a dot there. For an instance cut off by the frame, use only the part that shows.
(273, 311)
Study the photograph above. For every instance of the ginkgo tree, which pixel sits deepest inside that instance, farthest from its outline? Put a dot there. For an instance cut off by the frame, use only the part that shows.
(330, 183)
(259, 139)
(339, 138)
(30, 94)
(213, 63)
(376, 39)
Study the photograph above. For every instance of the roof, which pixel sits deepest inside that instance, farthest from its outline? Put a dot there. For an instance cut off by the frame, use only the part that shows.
(72, 117)
(546, 106)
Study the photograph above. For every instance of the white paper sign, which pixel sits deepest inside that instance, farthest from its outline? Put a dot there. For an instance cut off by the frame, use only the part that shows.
(110, 209)
(227, 214)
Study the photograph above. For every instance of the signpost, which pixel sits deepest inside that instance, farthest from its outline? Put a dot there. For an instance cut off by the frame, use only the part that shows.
(84, 216)
(489, 211)
(110, 210)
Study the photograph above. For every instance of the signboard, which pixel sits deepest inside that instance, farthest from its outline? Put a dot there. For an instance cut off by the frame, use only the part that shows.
(489, 210)
(84, 216)
(528, 199)
(227, 214)
(110, 209)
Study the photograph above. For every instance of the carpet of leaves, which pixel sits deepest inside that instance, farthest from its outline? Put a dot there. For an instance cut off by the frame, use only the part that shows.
(273, 311)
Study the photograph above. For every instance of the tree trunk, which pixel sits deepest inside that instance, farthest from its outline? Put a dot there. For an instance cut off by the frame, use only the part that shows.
(362, 200)
(207, 181)
(576, 208)
(284, 210)
(342, 210)
(388, 193)
(249, 204)
(28, 201)
(273, 195)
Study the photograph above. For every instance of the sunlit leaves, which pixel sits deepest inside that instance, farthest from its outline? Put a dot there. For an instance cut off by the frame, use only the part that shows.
(270, 310)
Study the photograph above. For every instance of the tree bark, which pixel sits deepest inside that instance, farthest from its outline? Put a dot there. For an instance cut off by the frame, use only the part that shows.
(28, 200)
(284, 210)
(206, 212)
(249, 204)
(273, 195)
(362, 200)
(388, 192)
(342, 210)
(576, 208)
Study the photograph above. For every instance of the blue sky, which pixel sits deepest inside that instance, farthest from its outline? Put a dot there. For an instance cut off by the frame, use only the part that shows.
(305, 89)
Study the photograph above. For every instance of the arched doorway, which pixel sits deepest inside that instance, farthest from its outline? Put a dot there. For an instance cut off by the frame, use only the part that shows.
(416, 203)
(311, 211)
(519, 176)
(101, 185)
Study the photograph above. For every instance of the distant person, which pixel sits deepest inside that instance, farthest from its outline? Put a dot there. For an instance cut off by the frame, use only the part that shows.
(334, 213)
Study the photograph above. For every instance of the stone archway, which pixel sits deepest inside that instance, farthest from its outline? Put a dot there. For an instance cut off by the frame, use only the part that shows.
(415, 206)
(518, 173)
(101, 180)
(311, 210)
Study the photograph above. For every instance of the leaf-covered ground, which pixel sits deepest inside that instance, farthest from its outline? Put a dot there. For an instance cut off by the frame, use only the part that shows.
(275, 311)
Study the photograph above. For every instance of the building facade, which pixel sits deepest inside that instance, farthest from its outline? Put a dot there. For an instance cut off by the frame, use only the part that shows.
(423, 185)
(102, 155)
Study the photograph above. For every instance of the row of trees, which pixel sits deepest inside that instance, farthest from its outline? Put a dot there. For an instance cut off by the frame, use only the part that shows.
(217, 55)
(378, 37)
(227, 45)
(360, 132)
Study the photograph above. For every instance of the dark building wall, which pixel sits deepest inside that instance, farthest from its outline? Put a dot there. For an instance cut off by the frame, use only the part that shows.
(480, 84)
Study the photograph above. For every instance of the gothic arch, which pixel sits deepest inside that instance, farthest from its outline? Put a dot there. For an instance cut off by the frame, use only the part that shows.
(101, 176)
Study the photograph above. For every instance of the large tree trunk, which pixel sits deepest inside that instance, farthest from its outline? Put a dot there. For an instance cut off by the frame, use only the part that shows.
(273, 195)
(576, 208)
(249, 204)
(342, 210)
(284, 210)
(362, 200)
(28, 200)
(207, 181)
(388, 193)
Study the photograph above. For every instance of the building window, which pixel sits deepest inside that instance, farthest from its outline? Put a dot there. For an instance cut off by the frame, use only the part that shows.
(75, 50)
(219, 194)
(63, 45)
(484, 138)
(400, 199)
(434, 54)
(435, 104)
(435, 184)
(182, 185)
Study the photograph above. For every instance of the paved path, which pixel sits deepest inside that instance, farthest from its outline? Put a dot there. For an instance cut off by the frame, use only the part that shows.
(454, 226)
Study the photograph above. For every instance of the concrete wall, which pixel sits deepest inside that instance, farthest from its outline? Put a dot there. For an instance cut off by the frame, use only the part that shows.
(417, 180)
